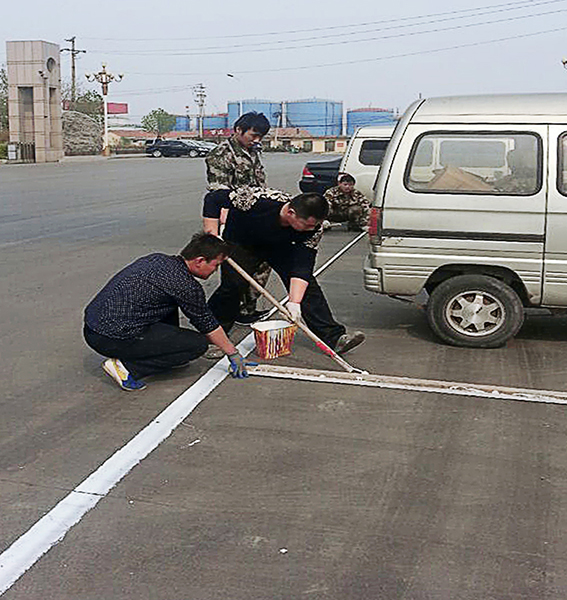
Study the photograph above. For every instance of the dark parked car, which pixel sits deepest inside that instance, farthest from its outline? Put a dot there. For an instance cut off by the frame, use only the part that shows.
(175, 148)
(319, 176)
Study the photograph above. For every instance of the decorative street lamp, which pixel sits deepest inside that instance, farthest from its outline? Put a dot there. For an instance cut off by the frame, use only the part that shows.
(104, 78)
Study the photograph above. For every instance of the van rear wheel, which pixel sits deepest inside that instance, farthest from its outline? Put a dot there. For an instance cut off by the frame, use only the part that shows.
(475, 311)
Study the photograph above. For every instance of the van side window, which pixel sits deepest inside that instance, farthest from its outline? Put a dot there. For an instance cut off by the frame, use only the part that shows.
(372, 152)
(475, 163)
(562, 165)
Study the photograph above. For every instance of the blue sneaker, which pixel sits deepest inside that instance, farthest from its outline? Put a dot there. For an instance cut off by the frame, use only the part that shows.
(120, 374)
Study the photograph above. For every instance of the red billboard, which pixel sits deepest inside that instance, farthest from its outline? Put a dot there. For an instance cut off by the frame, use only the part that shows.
(117, 108)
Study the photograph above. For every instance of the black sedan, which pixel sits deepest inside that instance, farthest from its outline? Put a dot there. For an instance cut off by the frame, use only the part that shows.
(319, 176)
(175, 148)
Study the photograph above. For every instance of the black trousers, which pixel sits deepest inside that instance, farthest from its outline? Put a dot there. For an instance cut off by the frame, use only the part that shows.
(225, 301)
(160, 347)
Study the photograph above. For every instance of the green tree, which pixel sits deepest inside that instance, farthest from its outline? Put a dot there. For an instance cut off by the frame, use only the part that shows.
(158, 121)
(91, 103)
(3, 99)
(66, 92)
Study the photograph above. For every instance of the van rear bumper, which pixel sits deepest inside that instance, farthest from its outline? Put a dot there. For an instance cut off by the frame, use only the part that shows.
(372, 277)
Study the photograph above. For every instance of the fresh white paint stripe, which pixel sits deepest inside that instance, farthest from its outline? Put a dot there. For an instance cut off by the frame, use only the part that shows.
(53, 527)
(412, 385)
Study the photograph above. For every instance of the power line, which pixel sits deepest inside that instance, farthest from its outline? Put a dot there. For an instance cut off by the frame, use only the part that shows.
(403, 55)
(175, 88)
(350, 62)
(225, 49)
(337, 43)
(345, 34)
(525, 3)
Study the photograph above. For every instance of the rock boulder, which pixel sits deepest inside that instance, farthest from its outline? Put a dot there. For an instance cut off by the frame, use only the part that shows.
(81, 134)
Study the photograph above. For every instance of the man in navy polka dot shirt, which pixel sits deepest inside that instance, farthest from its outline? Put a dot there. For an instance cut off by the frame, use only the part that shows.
(134, 319)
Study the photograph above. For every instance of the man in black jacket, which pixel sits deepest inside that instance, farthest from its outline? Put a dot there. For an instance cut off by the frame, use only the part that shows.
(285, 235)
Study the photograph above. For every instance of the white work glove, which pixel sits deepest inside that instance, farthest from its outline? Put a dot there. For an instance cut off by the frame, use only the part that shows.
(295, 310)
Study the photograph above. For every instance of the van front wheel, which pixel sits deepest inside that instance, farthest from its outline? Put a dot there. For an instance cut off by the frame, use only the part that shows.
(475, 311)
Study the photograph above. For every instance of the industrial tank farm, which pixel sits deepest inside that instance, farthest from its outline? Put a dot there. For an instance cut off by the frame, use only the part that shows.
(319, 117)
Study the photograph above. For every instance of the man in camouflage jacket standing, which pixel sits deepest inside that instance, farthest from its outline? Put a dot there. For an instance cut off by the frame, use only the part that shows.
(347, 204)
(235, 165)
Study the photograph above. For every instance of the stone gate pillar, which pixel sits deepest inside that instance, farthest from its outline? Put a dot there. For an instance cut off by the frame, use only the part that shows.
(34, 98)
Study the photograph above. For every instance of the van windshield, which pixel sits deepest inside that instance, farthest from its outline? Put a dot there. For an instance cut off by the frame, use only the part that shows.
(487, 163)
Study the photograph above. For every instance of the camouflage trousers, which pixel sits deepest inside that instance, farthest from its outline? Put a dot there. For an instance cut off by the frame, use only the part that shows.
(250, 296)
(355, 215)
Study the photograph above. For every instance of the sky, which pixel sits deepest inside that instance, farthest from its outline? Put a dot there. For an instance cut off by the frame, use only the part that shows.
(361, 52)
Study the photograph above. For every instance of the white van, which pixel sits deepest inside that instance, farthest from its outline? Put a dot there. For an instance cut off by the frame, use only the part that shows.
(364, 155)
(471, 206)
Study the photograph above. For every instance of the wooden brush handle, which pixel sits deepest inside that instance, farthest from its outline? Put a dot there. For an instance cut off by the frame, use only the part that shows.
(318, 341)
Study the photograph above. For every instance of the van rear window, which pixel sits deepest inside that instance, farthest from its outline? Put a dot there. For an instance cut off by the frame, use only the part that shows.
(372, 152)
(480, 163)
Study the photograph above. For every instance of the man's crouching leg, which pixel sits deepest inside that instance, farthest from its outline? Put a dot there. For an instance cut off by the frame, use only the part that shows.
(158, 348)
(356, 218)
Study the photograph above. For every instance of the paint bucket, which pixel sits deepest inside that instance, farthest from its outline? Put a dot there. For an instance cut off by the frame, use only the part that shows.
(273, 338)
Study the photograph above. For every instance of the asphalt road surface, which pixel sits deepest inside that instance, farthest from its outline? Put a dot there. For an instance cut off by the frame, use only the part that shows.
(268, 489)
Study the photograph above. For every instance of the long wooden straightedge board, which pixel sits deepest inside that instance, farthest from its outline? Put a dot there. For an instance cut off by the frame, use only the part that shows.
(409, 384)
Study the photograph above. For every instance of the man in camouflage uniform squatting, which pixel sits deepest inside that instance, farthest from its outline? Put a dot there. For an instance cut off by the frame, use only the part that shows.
(347, 205)
(235, 165)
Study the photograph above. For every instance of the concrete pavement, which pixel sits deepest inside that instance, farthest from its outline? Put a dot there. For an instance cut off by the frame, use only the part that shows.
(270, 489)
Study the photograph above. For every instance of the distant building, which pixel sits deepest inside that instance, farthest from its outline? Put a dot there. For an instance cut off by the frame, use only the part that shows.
(303, 140)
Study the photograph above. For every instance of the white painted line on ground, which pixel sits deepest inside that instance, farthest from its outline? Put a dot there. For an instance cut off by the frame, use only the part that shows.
(495, 392)
(53, 527)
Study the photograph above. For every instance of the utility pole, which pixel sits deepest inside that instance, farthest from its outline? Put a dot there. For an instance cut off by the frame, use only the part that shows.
(74, 53)
(104, 78)
(200, 95)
